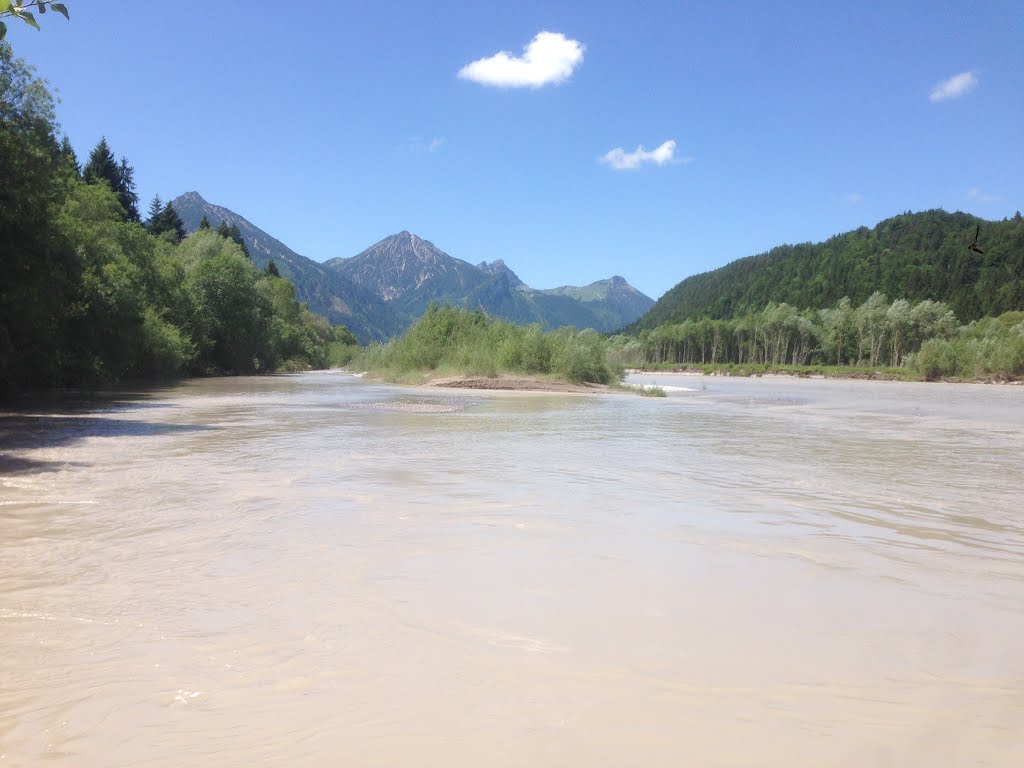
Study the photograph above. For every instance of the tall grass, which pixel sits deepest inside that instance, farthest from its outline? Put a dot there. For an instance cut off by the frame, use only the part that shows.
(453, 341)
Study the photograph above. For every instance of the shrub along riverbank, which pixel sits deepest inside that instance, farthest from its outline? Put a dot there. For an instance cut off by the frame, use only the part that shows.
(449, 341)
(877, 339)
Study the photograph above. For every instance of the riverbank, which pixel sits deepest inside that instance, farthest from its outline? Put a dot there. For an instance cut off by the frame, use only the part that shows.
(502, 382)
(511, 382)
(818, 372)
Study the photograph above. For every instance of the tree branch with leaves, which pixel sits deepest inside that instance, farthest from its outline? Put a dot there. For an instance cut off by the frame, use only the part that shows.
(26, 11)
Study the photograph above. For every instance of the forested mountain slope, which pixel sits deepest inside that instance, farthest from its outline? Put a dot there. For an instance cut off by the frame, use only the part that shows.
(914, 256)
(327, 293)
(614, 300)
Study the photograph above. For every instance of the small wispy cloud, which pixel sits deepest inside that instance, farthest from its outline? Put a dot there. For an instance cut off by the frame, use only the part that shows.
(954, 87)
(853, 198)
(978, 196)
(621, 160)
(549, 59)
(417, 144)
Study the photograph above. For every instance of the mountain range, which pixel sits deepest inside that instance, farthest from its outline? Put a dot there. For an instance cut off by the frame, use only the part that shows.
(380, 292)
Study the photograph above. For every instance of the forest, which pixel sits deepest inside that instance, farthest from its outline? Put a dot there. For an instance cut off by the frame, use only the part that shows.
(924, 337)
(93, 295)
(913, 256)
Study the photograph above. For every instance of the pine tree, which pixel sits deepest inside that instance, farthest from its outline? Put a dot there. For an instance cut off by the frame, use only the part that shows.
(232, 232)
(236, 235)
(172, 223)
(119, 177)
(101, 166)
(126, 190)
(68, 156)
(271, 269)
(204, 223)
(164, 220)
(156, 207)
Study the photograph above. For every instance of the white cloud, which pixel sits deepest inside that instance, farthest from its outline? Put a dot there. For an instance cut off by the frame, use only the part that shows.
(978, 196)
(621, 160)
(854, 197)
(550, 58)
(954, 87)
(417, 144)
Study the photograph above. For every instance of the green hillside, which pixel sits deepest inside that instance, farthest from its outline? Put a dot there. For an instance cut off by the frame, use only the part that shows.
(915, 256)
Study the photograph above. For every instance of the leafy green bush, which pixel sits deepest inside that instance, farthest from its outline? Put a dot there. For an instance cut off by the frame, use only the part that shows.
(165, 349)
(459, 341)
(936, 359)
(340, 355)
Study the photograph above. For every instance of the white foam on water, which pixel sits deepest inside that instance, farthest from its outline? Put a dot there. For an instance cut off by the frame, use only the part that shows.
(9, 503)
(7, 613)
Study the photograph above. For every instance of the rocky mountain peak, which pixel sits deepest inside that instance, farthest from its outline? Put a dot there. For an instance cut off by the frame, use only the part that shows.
(190, 198)
(498, 267)
(382, 290)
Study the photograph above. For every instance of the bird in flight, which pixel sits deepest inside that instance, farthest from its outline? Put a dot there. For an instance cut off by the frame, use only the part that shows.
(974, 243)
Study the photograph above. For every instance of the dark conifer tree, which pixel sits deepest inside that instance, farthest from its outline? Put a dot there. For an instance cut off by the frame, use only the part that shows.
(67, 153)
(232, 232)
(171, 222)
(163, 219)
(156, 207)
(101, 166)
(120, 177)
(126, 190)
(204, 223)
(272, 269)
(236, 235)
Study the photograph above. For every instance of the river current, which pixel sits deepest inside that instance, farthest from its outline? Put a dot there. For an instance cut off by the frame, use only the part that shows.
(312, 570)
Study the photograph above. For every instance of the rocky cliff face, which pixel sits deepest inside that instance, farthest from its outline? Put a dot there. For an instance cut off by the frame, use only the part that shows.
(500, 268)
(410, 273)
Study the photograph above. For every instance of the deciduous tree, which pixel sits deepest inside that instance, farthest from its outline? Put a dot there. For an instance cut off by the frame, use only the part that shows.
(25, 10)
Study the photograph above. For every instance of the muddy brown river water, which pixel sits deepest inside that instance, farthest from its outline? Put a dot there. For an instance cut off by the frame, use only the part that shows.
(311, 570)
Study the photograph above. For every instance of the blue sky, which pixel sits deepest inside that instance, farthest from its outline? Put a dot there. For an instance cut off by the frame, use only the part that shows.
(333, 125)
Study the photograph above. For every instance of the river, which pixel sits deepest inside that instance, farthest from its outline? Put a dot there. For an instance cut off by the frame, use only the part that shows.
(311, 570)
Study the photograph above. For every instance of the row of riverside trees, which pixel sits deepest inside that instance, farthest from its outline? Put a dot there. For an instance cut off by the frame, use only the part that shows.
(89, 295)
(925, 336)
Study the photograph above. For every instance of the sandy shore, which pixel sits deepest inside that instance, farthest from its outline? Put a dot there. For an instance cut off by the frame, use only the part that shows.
(506, 382)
